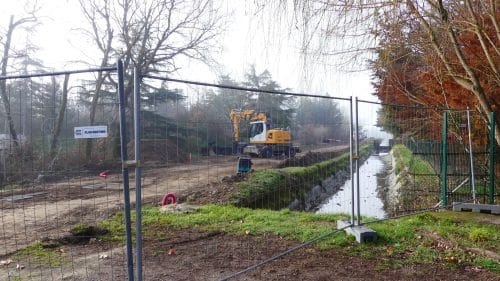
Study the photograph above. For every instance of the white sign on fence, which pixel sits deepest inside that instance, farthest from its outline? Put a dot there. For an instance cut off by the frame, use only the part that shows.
(91, 132)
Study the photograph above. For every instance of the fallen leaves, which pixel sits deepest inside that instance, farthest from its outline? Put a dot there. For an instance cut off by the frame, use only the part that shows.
(389, 250)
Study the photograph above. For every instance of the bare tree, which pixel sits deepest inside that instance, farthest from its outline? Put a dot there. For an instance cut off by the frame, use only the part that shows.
(98, 15)
(59, 122)
(6, 40)
(152, 35)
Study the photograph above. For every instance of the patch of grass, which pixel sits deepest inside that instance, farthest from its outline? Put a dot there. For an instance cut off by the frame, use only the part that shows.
(79, 228)
(488, 264)
(289, 225)
(37, 254)
(415, 164)
(479, 234)
(424, 254)
(408, 240)
(277, 188)
(411, 237)
(115, 227)
(87, 231)
(413, 172)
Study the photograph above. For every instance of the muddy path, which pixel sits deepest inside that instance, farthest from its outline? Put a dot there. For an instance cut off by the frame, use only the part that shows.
(61, 205)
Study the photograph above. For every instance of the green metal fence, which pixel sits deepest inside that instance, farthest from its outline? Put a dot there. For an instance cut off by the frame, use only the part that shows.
(468, 159)
(433, 153)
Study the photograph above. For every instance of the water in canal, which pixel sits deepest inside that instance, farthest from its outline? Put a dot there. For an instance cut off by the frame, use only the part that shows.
(371, 204)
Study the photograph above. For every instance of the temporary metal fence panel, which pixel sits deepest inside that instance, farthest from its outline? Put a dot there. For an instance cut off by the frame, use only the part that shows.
(426, 158)
(189, 155)
(405, 168)
(60, 176)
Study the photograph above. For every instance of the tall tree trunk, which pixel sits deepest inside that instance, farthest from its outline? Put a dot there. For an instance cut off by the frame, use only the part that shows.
(93, 109)
(60, 118)
(91, 12)
(3, 83)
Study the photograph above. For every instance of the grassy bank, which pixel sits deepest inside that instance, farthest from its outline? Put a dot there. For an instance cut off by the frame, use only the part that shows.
(455, 240)
(276, 188)
(417, 180)
(448, 238)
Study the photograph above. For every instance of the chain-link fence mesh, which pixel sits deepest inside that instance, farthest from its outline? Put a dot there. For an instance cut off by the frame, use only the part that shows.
(56, 187)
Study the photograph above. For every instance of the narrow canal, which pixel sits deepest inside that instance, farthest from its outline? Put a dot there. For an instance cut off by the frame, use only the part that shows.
(371, 204)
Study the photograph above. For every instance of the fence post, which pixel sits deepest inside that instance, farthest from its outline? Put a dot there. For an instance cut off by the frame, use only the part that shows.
(351, 151)
(444, 160)
(357, 165)
(126, 193)
(492, 158)
(138, 178)
(471, 158)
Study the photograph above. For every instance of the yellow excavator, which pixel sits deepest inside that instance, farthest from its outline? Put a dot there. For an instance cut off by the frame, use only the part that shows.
(265, 141)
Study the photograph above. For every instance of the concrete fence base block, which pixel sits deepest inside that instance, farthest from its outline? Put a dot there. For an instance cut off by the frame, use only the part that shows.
(476, 208)
(360, 232)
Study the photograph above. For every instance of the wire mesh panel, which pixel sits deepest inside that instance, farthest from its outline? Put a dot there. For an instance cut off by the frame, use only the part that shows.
(468, 157)
(410, 177)
(407, 143)
(229, 155)
(59, 164)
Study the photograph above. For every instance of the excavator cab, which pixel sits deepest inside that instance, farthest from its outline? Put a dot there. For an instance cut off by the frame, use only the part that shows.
(258, 131)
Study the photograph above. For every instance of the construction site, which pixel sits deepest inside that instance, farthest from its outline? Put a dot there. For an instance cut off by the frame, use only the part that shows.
(216, 196)
(249, 140)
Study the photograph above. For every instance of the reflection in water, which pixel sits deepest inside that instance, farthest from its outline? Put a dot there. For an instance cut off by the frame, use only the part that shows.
(371, 205)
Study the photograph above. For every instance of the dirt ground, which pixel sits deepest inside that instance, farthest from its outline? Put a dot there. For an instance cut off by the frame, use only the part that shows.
(180, 255)
(221, 255)
(196, 255)
(87, 199)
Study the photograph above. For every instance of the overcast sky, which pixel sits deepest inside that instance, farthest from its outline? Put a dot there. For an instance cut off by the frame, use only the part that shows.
(247, 41)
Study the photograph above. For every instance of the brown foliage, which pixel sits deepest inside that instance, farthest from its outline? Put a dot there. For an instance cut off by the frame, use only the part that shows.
(409, 71)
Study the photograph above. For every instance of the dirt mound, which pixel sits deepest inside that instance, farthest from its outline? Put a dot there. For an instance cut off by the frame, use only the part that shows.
(212, 193)
(310, 158)
(235, 178)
